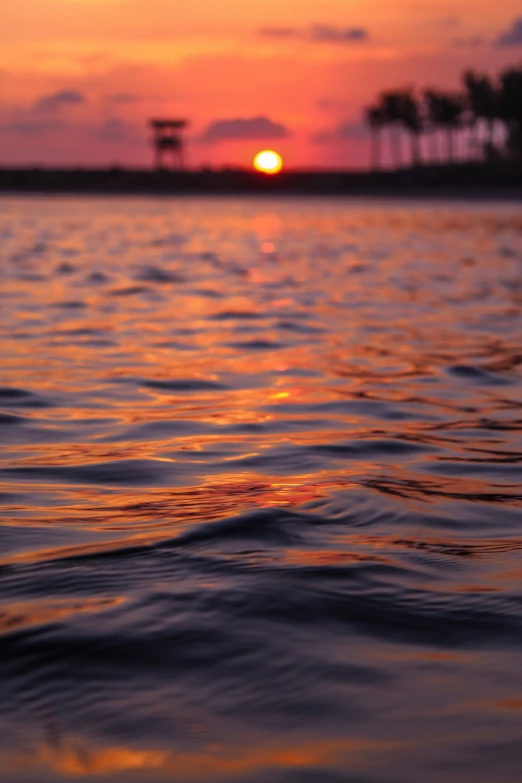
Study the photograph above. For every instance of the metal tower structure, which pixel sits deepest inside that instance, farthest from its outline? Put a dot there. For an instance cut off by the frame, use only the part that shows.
(168, 141)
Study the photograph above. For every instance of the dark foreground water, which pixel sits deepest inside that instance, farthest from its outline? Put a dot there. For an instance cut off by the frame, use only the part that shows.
(261, 491)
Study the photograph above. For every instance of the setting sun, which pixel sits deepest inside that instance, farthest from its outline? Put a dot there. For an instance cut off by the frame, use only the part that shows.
(268, 161)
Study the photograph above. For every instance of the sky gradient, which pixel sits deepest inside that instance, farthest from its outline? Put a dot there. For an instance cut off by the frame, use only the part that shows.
(79, 78)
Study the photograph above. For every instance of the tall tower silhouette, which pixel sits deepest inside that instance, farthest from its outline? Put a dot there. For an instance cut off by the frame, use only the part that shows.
(168, 141)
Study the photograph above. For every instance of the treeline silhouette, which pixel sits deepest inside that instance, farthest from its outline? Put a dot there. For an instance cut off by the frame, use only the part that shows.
(486, 114)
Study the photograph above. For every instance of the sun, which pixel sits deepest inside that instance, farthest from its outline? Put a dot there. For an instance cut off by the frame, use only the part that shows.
(268, 161)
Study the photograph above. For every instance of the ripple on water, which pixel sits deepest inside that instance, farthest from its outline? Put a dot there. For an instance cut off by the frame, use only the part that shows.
(260, 513)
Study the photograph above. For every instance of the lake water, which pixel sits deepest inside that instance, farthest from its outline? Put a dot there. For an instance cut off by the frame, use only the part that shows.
(261, 491)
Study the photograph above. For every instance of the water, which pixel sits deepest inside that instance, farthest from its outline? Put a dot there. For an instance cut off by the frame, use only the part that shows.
(261, 491)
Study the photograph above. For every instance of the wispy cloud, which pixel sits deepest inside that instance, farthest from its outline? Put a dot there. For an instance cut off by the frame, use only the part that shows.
(244, 128)
(513, 35)
(346, 131)
(29, 127)
(318, 33)
(324, 33)
(123, 97)
(279, 32)
(116, 129)
(58, 100)
(471, 42)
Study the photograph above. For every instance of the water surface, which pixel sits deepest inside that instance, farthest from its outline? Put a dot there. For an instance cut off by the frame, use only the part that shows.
(260, 491)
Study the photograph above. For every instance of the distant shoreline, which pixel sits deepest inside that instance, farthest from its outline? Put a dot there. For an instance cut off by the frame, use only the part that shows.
(466, 180)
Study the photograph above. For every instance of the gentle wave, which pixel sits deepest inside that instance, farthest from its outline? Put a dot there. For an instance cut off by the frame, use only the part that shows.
(260, 512)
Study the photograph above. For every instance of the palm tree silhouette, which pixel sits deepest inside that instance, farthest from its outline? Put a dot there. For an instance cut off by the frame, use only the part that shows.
(390, 103)
(445, 110)
(510, 102)
(376, 119)
(483, 101)
(410, 116)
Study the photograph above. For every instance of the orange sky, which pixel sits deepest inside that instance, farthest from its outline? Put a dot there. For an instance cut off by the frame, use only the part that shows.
(80, 77)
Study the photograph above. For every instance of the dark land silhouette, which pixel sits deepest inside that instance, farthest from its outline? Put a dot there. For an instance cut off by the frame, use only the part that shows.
(502, 179)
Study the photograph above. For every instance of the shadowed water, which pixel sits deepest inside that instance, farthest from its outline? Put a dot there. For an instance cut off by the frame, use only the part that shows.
(260, 491)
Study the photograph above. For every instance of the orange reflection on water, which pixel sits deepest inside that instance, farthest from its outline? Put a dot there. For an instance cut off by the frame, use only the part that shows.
(15, 616)
(178, 371)
(75, 757)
